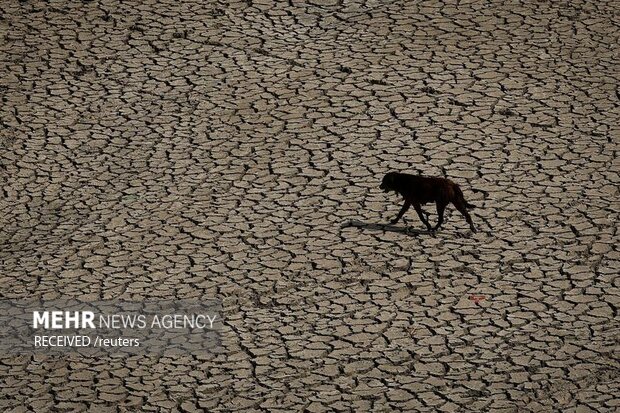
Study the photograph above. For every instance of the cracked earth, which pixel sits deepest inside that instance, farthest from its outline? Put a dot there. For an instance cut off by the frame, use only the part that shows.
(234, 151)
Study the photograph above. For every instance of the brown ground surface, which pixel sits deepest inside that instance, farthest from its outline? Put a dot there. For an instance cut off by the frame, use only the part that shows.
(202, 149)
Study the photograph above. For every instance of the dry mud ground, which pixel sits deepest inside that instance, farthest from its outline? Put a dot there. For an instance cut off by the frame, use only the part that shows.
(234, 150)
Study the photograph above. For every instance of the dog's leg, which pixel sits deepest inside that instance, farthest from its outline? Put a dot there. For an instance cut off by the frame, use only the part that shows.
(404, 209)
(441, 206)
(462, 208)
(418, 209)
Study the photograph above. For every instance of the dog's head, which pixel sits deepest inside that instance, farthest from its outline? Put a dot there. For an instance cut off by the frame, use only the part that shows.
(389, 182)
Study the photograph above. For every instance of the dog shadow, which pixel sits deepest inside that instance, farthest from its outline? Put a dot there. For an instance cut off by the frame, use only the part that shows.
(371, 226)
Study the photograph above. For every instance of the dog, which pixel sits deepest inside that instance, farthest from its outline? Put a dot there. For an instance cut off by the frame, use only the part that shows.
(418, 190)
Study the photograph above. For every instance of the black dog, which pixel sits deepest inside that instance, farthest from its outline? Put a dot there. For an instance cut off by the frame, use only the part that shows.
(418, 190)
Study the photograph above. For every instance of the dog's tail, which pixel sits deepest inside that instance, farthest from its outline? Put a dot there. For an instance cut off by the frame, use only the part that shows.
(462, 198)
